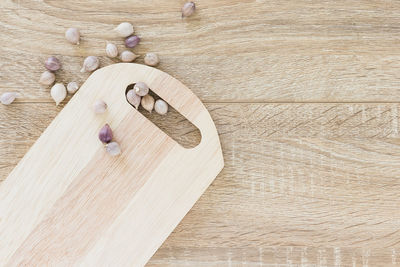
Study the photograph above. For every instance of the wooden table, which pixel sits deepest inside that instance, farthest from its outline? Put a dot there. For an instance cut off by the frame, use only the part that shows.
(305, 96)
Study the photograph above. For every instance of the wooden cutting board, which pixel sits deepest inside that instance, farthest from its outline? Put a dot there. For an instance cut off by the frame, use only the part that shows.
(68, 202)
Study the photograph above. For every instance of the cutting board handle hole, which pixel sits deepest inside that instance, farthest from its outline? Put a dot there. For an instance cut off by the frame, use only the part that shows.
(173, 124)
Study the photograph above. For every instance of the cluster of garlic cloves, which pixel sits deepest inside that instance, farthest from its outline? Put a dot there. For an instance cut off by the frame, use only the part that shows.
(139, 95)
(106, 136)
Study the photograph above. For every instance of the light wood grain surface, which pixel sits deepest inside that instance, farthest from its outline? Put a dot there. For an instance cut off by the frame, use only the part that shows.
(304, 94)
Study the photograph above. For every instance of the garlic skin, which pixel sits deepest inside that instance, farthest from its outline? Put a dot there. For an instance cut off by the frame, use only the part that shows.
(141, 89)
(113, 149)
(72, 35)
(99, 106)
(90, 63)
(132, 41)
(133, 98)
(111, 50)
(161, 107)
(148, 103)
(124, 29)
(47, 78)
(105, 134)
(52, 64)
(188, 9)
(128, 56)
(58, 92)
(72, 87)
(151, 59)
(8, 97)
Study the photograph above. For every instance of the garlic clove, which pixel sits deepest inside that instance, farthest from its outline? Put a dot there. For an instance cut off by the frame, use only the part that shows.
(47, 78)
(124, 29)
(188, 9)
(90, 63)
(132, 41)
(72, 35)
(105, 134)
(8, 97)
(52, 64)
(161, 107)
(58, 92)
(99, 107)
(133, 98)
(141, 88)
(151, 59)
(128, 56)
(113, 149)
(148, 103)
(111, 50)
(72, 87)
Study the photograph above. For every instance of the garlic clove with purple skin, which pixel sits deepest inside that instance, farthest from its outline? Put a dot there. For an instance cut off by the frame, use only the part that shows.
(99, 107)
(141, 88)
(90, 63)
(133, 98)
(105, 134)
(148, 103)
(113, 149)
(52, 64)
(8, 97)
(58, 92)
(132, 41)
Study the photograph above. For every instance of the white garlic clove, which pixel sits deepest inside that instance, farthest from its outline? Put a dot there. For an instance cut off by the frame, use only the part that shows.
(90, 63)
(148, 103)
(8, 97)
(188, 9)
(128, 56)
(124, 29)
(141, 88)
(99, 107)
(133, 98)
(161, 107)
(58, 92)
(111, 50)
(72, 87)
(47, 78)
(151, 59)
(113, 149)
(72, 35)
